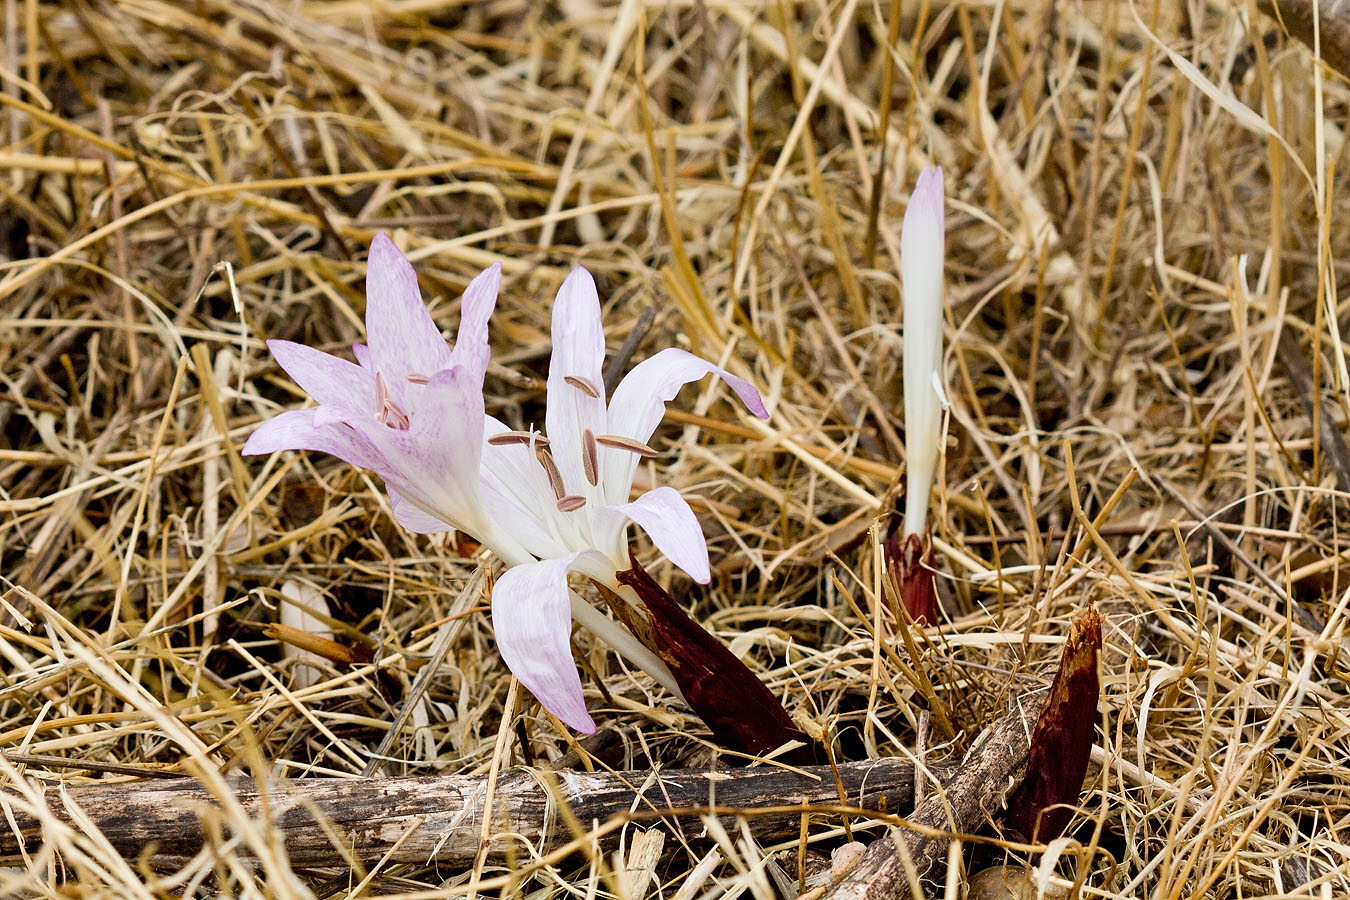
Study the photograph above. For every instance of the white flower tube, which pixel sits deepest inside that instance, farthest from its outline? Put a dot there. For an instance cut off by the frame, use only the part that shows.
(921, 258)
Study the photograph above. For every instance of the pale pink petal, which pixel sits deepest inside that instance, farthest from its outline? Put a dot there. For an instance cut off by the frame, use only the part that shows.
(333, 382)
(402, 336)
(295, 430)
(926, 214)
(362, 354)
(671, 525)
(471, 342)
(415, 520)
(449, 419)
(639, 402)
(336, 415)
(435, 461)
(532, 616)
(579, 355)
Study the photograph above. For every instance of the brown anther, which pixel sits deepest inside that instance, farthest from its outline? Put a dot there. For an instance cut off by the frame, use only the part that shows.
(585, 385)
(510, 438)
(416, 378)
(570, 503)
(623, 443)
(590, 457)
(554, 476)
(381, 392)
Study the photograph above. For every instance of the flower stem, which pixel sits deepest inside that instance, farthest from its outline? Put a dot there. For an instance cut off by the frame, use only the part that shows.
(631, 648)
(590, 618)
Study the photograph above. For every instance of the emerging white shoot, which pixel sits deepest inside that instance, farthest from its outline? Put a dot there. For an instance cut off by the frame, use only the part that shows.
(921, 258)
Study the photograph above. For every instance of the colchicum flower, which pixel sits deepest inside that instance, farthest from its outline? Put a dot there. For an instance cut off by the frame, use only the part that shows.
(921, 257)
(909, 551)
(411, 409)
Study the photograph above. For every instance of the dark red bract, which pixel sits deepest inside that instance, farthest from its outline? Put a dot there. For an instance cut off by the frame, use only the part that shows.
(742, 713)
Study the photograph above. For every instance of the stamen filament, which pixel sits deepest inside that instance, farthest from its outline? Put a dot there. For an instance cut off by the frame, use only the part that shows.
(389, 413)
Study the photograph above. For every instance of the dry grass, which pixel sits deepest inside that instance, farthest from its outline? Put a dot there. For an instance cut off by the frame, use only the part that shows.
(182, 181)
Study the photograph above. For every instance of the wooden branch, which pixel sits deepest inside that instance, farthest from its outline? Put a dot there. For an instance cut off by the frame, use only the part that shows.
(972, 796)
(440, 818)
(1333, 23)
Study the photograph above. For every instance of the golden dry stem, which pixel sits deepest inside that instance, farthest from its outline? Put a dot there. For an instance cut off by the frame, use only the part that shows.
(181, 181)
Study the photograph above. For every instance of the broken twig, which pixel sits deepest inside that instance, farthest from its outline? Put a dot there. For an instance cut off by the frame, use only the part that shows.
(963, 803)
(421, 819)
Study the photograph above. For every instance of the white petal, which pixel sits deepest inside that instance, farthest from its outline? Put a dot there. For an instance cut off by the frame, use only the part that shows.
(299, 613)
(531, 614)
(578, 353)
(671, 525)
(402, 336)
(639, 402)
(921, 259)
(516, 493)
(407, 515)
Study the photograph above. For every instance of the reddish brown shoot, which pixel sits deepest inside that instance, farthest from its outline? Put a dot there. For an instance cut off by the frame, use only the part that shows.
(1043, 805)
(909, 567)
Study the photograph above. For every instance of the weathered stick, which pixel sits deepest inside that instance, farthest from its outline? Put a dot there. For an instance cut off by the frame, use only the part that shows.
(962, 804)
(440, 818)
